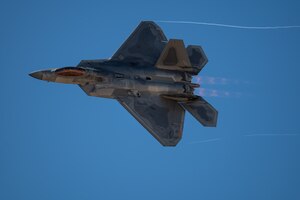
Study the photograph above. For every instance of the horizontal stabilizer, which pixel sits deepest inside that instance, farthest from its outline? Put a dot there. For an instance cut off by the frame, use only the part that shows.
(202, 111)
(197, 57)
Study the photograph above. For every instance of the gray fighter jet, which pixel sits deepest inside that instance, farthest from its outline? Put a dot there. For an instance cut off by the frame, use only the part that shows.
(150, 76)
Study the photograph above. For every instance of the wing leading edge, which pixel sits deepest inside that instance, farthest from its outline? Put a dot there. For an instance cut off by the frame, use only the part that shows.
(143, 46)
(161, 117)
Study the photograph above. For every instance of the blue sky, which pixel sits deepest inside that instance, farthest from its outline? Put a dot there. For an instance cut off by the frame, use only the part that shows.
(58, 143)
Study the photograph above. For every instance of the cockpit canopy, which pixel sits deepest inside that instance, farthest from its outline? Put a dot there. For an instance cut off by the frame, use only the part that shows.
(70, 71)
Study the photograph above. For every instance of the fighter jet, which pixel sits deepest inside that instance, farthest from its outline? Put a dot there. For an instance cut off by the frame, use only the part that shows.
(150, 76)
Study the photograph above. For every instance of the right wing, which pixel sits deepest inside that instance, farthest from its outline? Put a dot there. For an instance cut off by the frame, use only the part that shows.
(163, 118)
(143, 46)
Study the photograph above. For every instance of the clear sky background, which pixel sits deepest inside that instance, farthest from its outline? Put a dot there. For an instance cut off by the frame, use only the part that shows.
(58, 143)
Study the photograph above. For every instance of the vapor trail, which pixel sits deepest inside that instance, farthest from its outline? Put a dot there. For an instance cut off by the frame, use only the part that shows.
(205, 141)
(230, 25)
(272, 134)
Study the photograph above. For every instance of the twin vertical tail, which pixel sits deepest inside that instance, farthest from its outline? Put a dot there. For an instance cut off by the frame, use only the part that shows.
(190, 60)
(205, 113)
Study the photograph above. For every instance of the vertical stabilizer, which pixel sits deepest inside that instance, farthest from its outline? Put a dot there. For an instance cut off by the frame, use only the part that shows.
(174, 57)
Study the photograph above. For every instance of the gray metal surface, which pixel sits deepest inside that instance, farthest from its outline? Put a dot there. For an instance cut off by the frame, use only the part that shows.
(202, 111)
(150, 79)
(197, 57)
(143, 46)
(161, 117)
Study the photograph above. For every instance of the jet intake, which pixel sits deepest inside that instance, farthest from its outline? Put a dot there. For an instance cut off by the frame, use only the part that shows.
(70, 71)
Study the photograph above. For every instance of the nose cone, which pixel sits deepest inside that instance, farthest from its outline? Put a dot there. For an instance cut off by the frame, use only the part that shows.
(37, 75)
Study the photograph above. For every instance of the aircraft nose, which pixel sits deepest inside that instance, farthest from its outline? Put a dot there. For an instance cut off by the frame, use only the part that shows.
(37, 75)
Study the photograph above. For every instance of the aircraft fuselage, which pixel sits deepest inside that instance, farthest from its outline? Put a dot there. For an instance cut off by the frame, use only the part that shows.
(104, 79)
(150, 76)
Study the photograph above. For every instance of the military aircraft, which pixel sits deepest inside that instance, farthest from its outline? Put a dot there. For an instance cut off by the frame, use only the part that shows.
(150, 76)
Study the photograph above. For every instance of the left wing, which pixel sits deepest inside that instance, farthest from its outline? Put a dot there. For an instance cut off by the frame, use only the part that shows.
(143, 46)
(163, 118)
